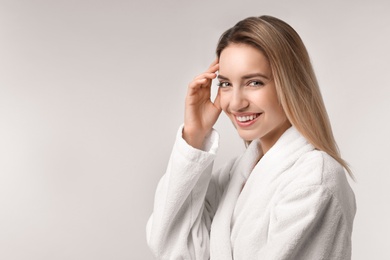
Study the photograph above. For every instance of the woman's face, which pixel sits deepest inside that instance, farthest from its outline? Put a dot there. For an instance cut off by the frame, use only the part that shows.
(248, 95)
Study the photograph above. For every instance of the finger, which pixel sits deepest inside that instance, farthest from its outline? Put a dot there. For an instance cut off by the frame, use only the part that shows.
(207, 75)
(198, 83)
(214, 68)
(216, 61)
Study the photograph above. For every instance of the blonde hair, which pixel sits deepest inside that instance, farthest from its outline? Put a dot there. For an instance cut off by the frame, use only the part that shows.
(294, 77)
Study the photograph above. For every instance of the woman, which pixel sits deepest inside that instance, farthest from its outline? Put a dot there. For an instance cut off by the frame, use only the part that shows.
(287, 196)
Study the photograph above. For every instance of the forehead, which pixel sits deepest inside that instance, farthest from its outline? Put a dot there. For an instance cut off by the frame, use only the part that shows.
(240, 59)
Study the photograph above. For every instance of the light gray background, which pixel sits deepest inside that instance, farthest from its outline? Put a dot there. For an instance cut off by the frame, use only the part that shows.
(91, 96)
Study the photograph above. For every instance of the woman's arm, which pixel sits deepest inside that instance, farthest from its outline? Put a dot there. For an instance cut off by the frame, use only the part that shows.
(180, 224)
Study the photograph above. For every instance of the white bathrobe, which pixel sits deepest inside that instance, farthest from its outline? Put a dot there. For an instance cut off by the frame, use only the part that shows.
(295, 203)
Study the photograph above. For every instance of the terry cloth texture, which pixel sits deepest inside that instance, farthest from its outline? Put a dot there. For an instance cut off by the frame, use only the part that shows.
(296, 204)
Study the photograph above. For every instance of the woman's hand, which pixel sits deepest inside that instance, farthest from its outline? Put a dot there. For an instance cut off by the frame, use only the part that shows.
(200, 112)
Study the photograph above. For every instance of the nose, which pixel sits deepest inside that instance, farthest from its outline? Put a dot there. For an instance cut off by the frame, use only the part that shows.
(238, 101)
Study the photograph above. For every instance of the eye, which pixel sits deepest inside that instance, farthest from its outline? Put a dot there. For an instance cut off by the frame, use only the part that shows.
(223, 84)
(256, 83)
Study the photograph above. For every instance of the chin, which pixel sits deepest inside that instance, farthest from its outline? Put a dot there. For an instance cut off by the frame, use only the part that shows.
(247, 136)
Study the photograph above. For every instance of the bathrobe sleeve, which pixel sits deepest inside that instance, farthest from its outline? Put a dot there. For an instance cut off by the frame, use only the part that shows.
(179, 227)
(307, 223)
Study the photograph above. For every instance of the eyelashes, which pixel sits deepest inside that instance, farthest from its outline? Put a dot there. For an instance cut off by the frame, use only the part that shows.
(256, 83)
(223, 84)
(252, 83)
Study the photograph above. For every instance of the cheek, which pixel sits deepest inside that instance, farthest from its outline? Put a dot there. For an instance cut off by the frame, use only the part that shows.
(224, 101)
(278, 112)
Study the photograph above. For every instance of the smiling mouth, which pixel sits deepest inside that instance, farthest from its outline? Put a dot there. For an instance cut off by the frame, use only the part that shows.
(243, 119)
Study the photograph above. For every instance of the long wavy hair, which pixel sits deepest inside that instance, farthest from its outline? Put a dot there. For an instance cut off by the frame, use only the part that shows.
(296, 84)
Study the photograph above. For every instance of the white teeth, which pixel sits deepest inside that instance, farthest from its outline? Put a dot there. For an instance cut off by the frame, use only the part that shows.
(246, 118)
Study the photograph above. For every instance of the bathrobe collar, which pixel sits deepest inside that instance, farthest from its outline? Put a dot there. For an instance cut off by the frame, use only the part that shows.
(281, 156)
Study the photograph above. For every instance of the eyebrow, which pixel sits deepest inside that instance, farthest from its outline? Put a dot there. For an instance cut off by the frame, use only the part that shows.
(248, 76)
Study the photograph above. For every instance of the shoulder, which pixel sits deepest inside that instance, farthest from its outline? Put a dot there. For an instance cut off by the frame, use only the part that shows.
(317, 170)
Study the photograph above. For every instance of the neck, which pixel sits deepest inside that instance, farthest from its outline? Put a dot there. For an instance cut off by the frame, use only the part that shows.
(267, 141)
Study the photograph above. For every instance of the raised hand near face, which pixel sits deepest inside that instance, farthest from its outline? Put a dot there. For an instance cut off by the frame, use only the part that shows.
(200, 112)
